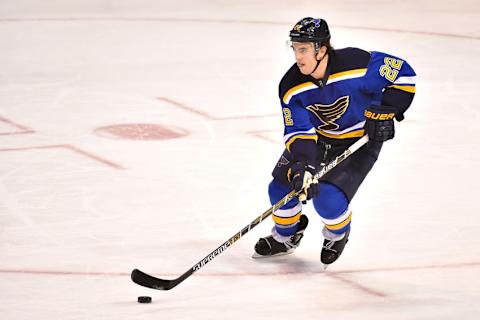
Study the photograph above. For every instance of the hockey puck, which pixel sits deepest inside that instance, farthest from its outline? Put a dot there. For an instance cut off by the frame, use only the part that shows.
(144, 299)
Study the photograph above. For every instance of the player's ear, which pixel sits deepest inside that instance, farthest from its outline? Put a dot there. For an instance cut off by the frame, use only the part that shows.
(321, 53)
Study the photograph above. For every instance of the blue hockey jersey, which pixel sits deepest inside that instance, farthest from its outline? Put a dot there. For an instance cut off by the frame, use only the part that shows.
(333, 107)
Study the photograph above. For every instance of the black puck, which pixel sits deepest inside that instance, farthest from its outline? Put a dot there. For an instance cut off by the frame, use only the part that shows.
(144, 299)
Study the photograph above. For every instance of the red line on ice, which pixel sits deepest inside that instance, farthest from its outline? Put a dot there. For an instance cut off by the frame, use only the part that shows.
(243, 274)
(186, 108)
(23, 129)
(208, 116)
(260, 134)
(69, 147)
(280, 23)
(356, 285)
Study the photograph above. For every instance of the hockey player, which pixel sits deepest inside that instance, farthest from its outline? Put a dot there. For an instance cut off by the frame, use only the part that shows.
(330, 98)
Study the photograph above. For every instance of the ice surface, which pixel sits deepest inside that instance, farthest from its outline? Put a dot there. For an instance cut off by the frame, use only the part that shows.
(80, 210)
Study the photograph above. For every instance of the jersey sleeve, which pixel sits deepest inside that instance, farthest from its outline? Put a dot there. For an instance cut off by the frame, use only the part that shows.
(392, 80)
(299, 134)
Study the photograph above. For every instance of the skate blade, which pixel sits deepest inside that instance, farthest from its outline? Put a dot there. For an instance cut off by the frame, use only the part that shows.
(258, 256)
(323, 266)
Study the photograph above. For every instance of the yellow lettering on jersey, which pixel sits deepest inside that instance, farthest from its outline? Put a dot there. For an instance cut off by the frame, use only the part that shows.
(379, 116)
(390, 69)
(287, 115)
(394, 63)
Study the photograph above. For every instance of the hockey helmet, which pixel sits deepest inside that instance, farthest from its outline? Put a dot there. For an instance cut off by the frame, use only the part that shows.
(310, 30)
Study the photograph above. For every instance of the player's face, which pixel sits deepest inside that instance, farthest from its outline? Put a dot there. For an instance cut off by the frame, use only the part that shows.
(305, 56)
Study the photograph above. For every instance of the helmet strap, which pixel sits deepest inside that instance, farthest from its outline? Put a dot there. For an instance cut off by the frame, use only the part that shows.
(318, 63)
(317, 49)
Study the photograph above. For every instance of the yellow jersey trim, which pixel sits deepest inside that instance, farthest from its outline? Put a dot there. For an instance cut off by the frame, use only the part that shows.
(350, 74)
(351, 134)
(300, 136)
(344, 75)
(299, 88)
(410, 89)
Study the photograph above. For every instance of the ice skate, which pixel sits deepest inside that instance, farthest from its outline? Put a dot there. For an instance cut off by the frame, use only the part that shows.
(269, 247)
(333, 246)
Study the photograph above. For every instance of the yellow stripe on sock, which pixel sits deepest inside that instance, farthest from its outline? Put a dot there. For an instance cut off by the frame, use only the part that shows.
(286, 221)
(339, 225)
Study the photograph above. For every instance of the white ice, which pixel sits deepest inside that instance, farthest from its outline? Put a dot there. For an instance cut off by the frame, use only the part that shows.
(80, 210)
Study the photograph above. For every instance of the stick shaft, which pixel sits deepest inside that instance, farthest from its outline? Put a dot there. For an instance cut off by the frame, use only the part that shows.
(149, 281)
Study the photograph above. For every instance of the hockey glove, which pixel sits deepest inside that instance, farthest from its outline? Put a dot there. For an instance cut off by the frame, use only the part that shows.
(379, 123)
(300, 176)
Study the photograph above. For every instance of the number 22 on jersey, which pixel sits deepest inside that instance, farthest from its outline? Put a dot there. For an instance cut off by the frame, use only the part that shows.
(287, 115)
(390, 69)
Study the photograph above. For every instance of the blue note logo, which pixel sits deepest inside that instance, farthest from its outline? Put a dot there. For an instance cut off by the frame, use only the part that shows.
(329, 113)
(282, 162)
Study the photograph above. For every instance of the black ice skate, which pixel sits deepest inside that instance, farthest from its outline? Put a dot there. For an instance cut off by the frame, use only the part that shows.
(269, 247)
(332, 249)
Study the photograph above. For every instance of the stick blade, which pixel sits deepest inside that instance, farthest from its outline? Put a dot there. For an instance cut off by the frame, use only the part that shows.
(146, 280)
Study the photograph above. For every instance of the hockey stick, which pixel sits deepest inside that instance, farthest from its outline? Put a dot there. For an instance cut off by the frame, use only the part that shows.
(146, 280)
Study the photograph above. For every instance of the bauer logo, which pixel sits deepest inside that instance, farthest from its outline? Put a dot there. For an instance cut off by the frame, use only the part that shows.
(379, 116)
